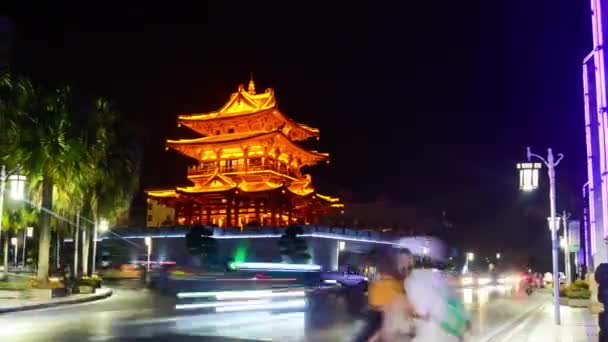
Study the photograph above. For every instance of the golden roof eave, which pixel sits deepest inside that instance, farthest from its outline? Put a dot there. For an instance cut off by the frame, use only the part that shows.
(176, 144)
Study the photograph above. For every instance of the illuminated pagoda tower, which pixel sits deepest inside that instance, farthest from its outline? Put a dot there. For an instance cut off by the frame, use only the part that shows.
(247, 167)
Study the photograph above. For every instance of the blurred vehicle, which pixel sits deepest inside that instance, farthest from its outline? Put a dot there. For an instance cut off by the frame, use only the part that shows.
(548, 278)
(348, 277)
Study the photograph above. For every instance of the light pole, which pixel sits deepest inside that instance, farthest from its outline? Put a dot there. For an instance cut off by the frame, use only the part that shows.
(28, 232)
(103, 225)
(148, 241)
(14, 242)
(551, 163)
(568, 270)
(497, 256)
(4, 175)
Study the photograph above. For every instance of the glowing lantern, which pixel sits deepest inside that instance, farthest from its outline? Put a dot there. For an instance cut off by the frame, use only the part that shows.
(528, 176)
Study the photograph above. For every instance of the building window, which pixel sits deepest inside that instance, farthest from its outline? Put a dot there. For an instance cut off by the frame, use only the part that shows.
(208, 166)
(217, 132)
(149, 218)
(231, 165)
(149, 206)
(231, 130)
(253, 162)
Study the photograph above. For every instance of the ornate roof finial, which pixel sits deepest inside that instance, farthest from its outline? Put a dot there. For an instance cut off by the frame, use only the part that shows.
(251, 87)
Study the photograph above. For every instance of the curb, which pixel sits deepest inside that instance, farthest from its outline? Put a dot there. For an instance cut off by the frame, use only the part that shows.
(56, 304)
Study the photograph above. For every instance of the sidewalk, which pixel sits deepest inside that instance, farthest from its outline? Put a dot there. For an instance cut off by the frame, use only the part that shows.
(13, 305)
(578, 325)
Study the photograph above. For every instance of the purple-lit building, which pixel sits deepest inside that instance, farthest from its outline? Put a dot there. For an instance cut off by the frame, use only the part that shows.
(596, 126)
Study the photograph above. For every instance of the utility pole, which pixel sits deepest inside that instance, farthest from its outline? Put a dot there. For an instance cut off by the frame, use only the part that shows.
(567, 269)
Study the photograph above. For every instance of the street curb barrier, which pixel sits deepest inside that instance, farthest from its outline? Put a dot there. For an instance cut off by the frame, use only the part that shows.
(46, 305)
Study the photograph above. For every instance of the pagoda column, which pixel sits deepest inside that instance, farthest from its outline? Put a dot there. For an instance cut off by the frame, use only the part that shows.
(229, 213)
(189, 214)
(201, 214)
(257, 212)
(236, 213)
(280, 214)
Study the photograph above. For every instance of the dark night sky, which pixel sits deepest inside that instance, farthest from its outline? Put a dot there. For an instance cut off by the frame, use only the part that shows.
(430, 104)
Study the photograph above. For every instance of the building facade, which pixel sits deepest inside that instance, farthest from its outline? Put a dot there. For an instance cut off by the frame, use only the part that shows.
(247, 168)
(596, 126)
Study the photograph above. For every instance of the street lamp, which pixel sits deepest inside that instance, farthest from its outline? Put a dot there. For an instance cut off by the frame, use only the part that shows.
(470, 256)
(103, 226)
(497, 256)
(148, 241)
(528, 175)
(4, 175)
(551, 163)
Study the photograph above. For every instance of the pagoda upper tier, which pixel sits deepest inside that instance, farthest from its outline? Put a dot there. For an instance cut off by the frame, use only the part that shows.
(247, 111)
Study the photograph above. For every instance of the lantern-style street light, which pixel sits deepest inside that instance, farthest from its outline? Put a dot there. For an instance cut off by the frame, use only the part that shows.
(16, 192)
(551, 163)
(470, 256)
(528, 176)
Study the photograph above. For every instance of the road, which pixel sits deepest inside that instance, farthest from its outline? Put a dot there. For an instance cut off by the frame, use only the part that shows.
(141, 315)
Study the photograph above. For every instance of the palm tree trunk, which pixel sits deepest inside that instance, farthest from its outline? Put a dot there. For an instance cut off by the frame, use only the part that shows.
(86, 242)
(76, 242)
(44, 244)
(58, 251)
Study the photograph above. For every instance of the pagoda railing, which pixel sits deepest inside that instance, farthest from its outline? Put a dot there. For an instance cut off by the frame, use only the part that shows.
(227, 169)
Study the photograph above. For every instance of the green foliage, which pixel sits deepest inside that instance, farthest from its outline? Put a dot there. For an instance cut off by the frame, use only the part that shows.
(578, 294)
(580, 285)
(292, 247)
(200, 242)
(93, 281)
(86, 158)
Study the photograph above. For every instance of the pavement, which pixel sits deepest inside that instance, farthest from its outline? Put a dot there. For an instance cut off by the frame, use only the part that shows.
(577, 325)
(14, 305)
(132, 314)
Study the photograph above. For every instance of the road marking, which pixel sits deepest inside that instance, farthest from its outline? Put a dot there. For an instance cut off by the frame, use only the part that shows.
(514, 322)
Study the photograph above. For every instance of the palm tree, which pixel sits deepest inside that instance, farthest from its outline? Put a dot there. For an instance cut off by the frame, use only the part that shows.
(113, 161)
(44, 151)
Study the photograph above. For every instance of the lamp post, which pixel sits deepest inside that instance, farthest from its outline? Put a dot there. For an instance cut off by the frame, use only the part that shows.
(14, 242)
(497, 256)
(530, 183)
(568, 270)
(27, 233)
(4, 175)
(148, 241)
(470, 256)
(103, 225)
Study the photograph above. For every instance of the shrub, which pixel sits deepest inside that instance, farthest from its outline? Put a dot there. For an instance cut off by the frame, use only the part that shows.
(578, 294)
(580, 285)
(93, 281)
(53, 283)
(563, 291)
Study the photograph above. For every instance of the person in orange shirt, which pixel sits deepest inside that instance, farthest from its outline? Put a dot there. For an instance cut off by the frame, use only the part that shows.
(388, 299)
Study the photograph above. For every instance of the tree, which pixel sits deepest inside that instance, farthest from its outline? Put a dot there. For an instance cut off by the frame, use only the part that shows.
(200, 242)
(114, 158)
(41, 145)
(293, 248)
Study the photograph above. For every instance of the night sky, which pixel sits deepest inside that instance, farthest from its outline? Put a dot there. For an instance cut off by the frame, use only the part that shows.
(429, 105)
